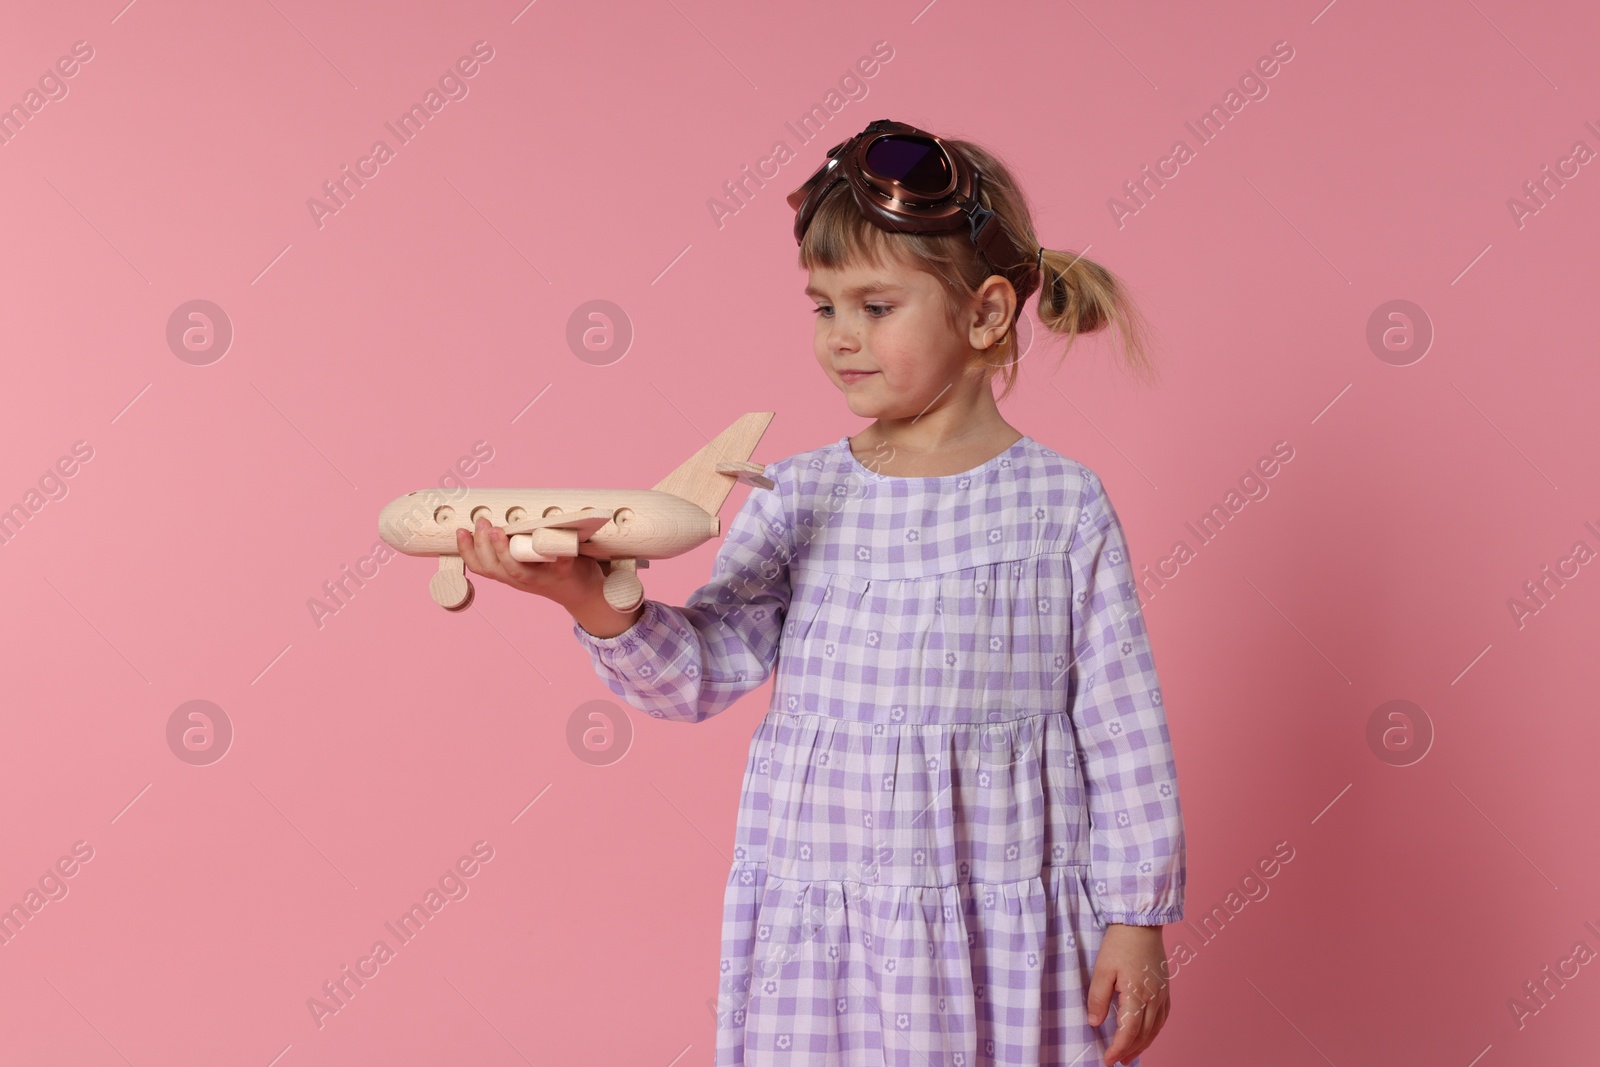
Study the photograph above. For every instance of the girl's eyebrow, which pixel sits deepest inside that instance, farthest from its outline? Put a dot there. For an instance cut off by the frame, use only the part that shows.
(858, 290)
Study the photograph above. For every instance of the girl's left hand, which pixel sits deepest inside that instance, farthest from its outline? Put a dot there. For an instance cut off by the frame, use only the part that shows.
(1132, 961)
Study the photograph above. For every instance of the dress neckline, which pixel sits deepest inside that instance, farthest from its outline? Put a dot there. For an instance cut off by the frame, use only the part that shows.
(1016, 449)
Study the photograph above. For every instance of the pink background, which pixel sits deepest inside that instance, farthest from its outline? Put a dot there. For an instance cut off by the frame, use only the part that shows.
(372, 352)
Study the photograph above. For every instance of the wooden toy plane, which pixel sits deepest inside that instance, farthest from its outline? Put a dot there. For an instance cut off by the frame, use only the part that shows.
(623, 528)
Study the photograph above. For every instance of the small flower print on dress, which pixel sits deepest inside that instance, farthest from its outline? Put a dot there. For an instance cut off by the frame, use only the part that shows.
(1114, 727)
(872, 638)
(827, 649)
(963, 483)
(840, 1005)
(994, 535)
(1122, 818)
(805, 852)
(1038, 513)
(996, 643)
(764, 932)
(863, 553)
(1165, 789)
(1011, 852)
(888, 965)
(784, 1041)
(913, 535)
(983, 587)
(1033, 959)
(903, 1021)
(1044, 605)
(822, 760)
(1127, 646)
(1059, 852)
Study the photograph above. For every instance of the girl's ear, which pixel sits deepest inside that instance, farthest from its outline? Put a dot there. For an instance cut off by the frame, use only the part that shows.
(992, 308)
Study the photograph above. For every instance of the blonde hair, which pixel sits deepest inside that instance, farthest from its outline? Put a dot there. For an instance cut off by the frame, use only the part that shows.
(1078, 294)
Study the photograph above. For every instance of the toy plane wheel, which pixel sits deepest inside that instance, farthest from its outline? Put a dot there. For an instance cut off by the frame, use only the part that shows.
(623, 590)
(449, 587)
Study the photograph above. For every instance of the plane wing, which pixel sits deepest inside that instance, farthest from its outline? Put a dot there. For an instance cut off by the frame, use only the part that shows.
(586, 523)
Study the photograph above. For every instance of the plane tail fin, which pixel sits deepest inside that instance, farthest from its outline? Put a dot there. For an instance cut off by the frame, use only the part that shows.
(698, 480)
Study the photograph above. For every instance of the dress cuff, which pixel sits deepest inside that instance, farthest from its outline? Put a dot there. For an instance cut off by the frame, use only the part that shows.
(1143, 918)
(623, 646)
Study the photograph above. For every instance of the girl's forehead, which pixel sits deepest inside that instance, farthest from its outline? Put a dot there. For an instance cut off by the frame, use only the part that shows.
(856, 276)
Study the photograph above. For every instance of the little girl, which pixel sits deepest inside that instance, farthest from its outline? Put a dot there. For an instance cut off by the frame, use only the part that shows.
(959, 830)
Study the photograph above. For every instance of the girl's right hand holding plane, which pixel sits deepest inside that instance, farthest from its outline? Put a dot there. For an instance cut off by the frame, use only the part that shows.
(577, 583)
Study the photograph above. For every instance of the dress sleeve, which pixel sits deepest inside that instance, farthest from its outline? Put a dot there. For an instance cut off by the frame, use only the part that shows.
(1137, 860)
(692, 662)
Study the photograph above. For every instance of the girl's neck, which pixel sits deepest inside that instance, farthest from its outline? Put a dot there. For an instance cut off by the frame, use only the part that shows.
(913, 449)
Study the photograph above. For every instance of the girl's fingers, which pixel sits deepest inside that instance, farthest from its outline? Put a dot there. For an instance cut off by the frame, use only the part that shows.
(1099, 998)
(1130, 1024)
(1147, 1029)
(477, 552)
(515, 569)
(467, 549)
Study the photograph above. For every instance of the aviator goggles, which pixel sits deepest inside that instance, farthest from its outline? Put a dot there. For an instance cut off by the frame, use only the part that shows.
(905, 179)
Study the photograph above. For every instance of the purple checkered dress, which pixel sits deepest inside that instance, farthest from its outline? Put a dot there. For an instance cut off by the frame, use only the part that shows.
(964, 774)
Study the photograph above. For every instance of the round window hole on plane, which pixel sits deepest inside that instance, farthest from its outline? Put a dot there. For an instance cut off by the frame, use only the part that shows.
(443, 514)
(515, 514)
(481, 512)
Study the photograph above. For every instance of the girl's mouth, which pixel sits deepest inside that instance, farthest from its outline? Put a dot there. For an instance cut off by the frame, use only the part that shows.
(855, 375)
